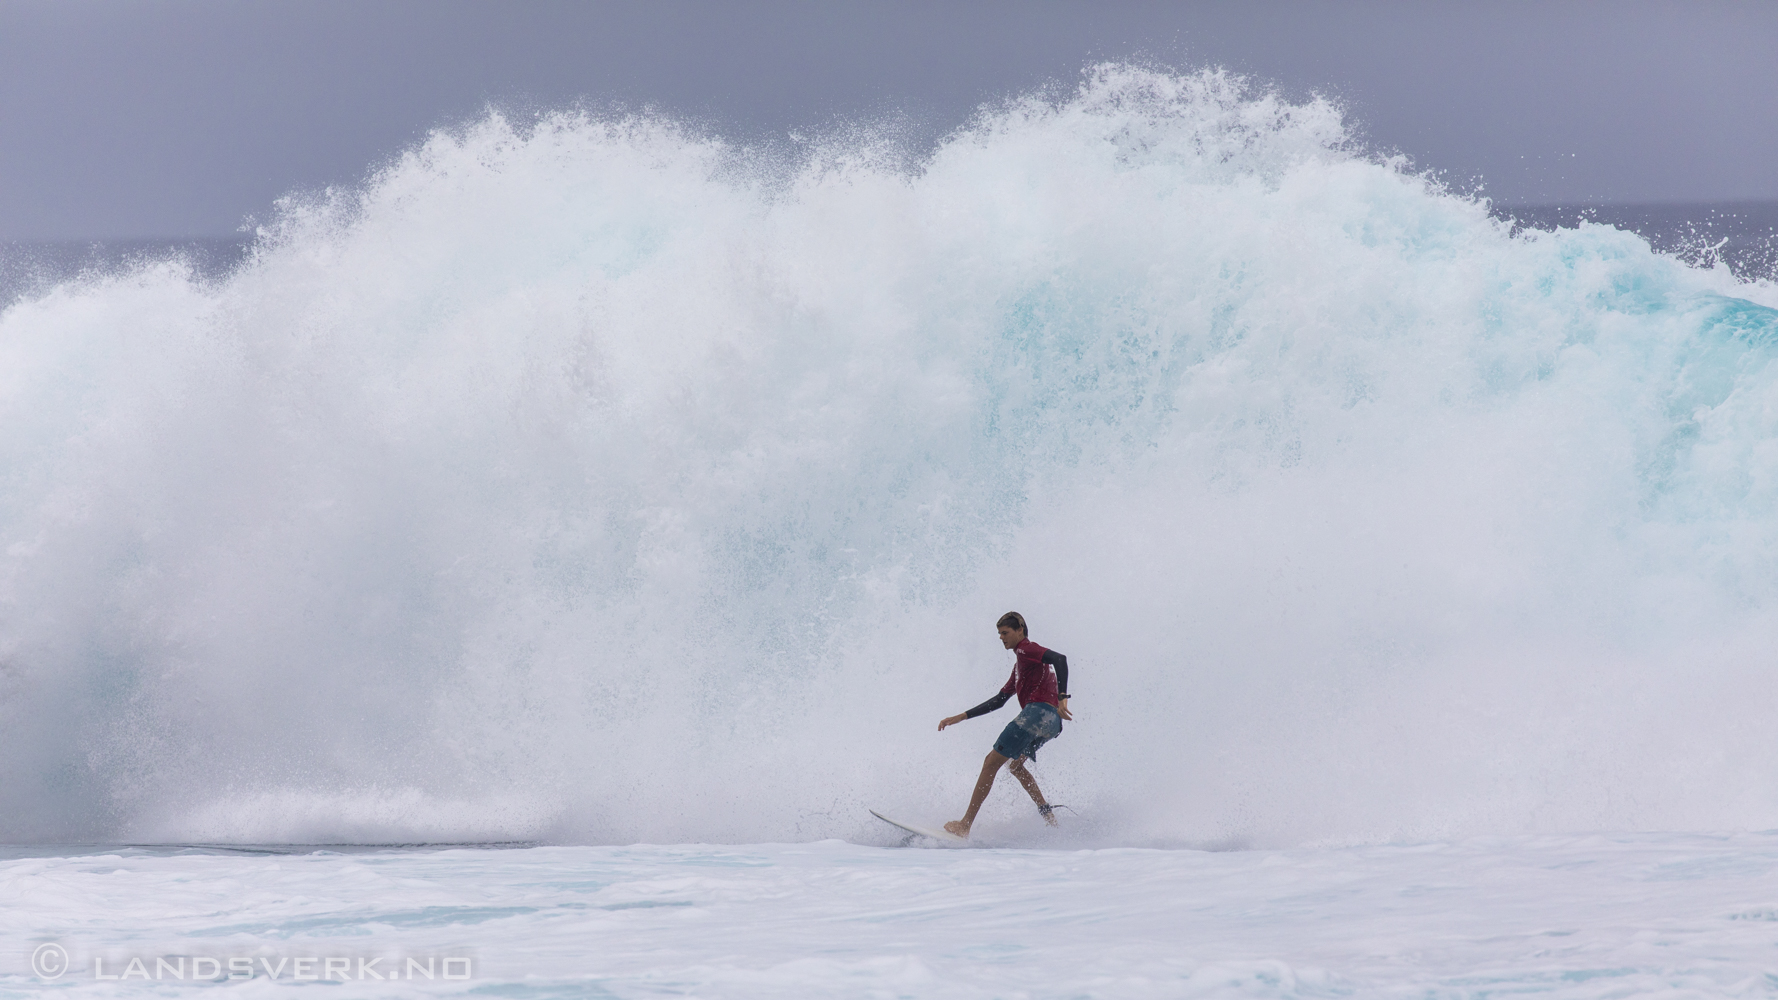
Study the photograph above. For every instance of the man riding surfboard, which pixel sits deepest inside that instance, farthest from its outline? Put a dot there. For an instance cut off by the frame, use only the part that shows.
(1040, 679)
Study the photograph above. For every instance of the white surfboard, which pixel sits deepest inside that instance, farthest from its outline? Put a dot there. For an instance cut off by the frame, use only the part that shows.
(943, 837)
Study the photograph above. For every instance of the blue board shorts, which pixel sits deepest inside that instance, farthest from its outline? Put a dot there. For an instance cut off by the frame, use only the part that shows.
(1035, 725)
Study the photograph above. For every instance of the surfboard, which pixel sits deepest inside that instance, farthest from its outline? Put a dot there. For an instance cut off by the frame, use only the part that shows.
(947, 839)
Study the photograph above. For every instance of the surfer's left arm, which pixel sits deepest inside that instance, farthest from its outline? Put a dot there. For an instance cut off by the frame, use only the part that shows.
(1060, 663)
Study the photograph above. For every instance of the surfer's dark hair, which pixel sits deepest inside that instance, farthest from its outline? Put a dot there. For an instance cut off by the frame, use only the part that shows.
(1012, 619)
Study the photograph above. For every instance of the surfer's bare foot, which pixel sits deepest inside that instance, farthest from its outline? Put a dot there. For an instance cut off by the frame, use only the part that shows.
(958, 828)
(1050, 818)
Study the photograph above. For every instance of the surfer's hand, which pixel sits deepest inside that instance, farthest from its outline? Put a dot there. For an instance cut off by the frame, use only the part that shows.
(1066, 715)
(953, 720)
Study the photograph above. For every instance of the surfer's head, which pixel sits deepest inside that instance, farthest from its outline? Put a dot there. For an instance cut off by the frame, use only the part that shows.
(1012, 629)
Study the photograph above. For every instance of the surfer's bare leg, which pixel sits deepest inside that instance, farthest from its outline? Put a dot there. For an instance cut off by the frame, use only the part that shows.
(1030, 783)
(991, 766)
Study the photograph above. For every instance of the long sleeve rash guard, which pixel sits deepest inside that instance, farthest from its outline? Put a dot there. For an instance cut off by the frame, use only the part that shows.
(1032, 679)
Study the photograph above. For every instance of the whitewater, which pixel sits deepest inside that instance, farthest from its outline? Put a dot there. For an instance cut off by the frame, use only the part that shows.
(1561, 917)
(582, 480)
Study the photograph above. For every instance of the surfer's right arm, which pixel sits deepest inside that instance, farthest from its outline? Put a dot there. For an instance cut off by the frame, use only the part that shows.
(984, 708)
(992, 704)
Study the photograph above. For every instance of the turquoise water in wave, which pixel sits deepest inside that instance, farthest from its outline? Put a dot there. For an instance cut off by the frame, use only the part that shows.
(595, 481)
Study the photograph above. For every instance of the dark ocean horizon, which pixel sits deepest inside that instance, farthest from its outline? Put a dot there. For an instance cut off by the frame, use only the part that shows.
(1741, 234)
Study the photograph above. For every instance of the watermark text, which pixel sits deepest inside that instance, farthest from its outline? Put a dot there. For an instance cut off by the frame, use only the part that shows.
(50, 960)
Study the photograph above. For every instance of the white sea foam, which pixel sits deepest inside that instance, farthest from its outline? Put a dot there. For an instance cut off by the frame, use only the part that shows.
(589, 479)
(1568, 918)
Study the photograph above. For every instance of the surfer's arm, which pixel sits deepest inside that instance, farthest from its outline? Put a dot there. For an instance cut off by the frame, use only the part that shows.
(1060, 662)
(991, 705)
(983, 709)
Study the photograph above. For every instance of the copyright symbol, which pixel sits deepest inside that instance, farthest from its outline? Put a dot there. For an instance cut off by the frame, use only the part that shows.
(49, 961)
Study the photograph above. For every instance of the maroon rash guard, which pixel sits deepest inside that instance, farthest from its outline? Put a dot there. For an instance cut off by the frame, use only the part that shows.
(1032, 679)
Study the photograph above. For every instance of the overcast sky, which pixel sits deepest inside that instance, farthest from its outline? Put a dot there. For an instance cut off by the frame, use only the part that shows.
(131, 118)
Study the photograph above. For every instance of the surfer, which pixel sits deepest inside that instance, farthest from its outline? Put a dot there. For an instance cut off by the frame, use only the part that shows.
(1043, 704)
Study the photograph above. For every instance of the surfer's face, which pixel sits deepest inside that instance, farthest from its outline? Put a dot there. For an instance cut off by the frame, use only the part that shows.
(1010, 637)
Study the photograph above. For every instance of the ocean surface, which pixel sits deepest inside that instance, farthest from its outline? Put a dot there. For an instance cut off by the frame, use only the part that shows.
(1562, 917)
(579, 482)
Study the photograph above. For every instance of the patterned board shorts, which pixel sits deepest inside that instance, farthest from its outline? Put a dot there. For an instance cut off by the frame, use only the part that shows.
(1035, 725)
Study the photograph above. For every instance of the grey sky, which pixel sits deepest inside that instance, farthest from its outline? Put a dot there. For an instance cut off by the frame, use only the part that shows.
(179, 118)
